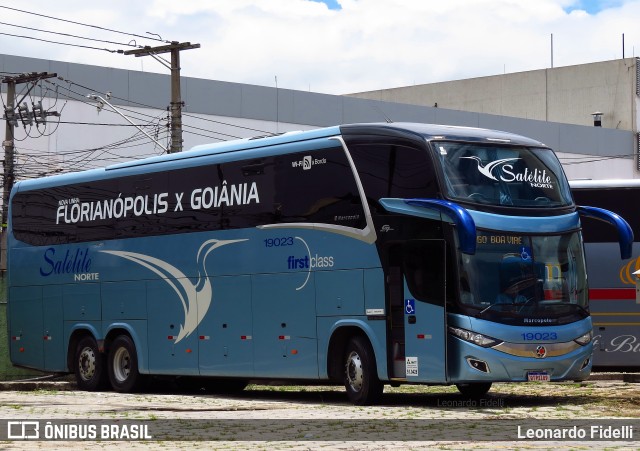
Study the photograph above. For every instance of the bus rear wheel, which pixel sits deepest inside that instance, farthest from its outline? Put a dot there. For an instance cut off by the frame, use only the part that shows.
(360, 373)
(89, 365)
(123, 365)
(475, 389)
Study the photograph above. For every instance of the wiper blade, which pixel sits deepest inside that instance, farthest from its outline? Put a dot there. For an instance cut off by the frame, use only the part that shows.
(584, 310)
(493, 305)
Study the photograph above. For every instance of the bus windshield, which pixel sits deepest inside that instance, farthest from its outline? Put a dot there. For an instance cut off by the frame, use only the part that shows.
(525, 280)
(503, 175)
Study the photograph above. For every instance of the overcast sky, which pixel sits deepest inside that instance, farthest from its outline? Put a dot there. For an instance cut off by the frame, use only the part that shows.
(332, 46)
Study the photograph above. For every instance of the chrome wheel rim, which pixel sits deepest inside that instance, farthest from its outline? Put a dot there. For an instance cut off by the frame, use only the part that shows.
(121, 364)
(87, 363)
(355, 375)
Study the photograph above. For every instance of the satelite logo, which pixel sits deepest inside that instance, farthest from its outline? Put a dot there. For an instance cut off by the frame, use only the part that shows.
(76, 262)
(502, 170)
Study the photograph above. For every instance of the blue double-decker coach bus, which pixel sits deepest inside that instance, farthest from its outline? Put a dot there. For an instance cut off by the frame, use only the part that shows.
(365, 254)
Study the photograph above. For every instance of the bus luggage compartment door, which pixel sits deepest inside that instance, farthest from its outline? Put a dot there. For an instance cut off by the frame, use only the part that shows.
(424, 268)
(25, 327)
(225, 333)
(284, 325)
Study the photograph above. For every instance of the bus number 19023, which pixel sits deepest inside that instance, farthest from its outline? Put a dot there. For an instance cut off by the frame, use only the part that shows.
(279, 242)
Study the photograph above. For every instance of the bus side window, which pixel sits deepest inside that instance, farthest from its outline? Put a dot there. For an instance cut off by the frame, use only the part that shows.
(318, 186)
(393, 170)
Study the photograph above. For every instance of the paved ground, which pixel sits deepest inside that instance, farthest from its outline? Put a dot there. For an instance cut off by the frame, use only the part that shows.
(319, 417)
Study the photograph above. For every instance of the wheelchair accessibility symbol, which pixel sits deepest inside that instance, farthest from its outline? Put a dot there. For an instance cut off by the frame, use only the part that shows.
(409, 306)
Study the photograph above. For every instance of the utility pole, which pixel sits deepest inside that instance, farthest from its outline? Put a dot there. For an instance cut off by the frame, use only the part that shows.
(8, 175)
(176, 100)
(11, 117)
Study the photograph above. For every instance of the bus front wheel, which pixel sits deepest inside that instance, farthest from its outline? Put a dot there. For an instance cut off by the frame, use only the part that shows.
(89, 365)
(474, 390)
(360, 374)
(123, 365)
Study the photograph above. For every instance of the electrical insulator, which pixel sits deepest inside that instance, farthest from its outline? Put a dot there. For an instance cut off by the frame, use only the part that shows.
(25, 115)
(39, 114)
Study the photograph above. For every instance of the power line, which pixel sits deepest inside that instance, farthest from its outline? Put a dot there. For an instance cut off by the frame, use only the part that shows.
(67, 34)
(210, 131)
(62, 43)
(183, 113)
(82, 98)
(592, 159)
(79, 159)
(228, 124)
(104, 124)
(84, 24)
(85, 158)
(140, 114)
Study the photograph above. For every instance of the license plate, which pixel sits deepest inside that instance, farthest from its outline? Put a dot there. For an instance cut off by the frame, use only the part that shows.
(538, 376)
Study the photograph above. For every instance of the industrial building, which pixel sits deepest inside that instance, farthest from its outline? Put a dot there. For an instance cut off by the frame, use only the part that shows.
(604, 94)
(554, 106)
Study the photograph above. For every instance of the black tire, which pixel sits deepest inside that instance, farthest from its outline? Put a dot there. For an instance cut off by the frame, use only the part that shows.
(89, 365)
(360, 373)
(475, 389)
(123, 365)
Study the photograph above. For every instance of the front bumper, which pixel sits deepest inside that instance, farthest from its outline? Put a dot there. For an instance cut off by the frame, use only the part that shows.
(512, 362)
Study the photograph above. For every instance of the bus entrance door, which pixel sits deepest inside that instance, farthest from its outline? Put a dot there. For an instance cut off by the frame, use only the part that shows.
(424, 269)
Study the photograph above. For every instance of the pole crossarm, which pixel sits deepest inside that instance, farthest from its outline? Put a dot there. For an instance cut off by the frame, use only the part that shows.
(176, 104)
(27, 78)
(148, 50)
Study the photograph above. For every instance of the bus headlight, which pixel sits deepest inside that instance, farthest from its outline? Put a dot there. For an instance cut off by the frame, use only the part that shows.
(474, 337)
(585, 339)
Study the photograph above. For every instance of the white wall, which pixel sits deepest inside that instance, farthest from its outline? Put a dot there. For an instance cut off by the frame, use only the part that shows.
(563, 94)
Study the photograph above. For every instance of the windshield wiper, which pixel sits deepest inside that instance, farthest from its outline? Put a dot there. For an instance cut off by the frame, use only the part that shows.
(584, 310)
(493, 305)
(522, 305)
